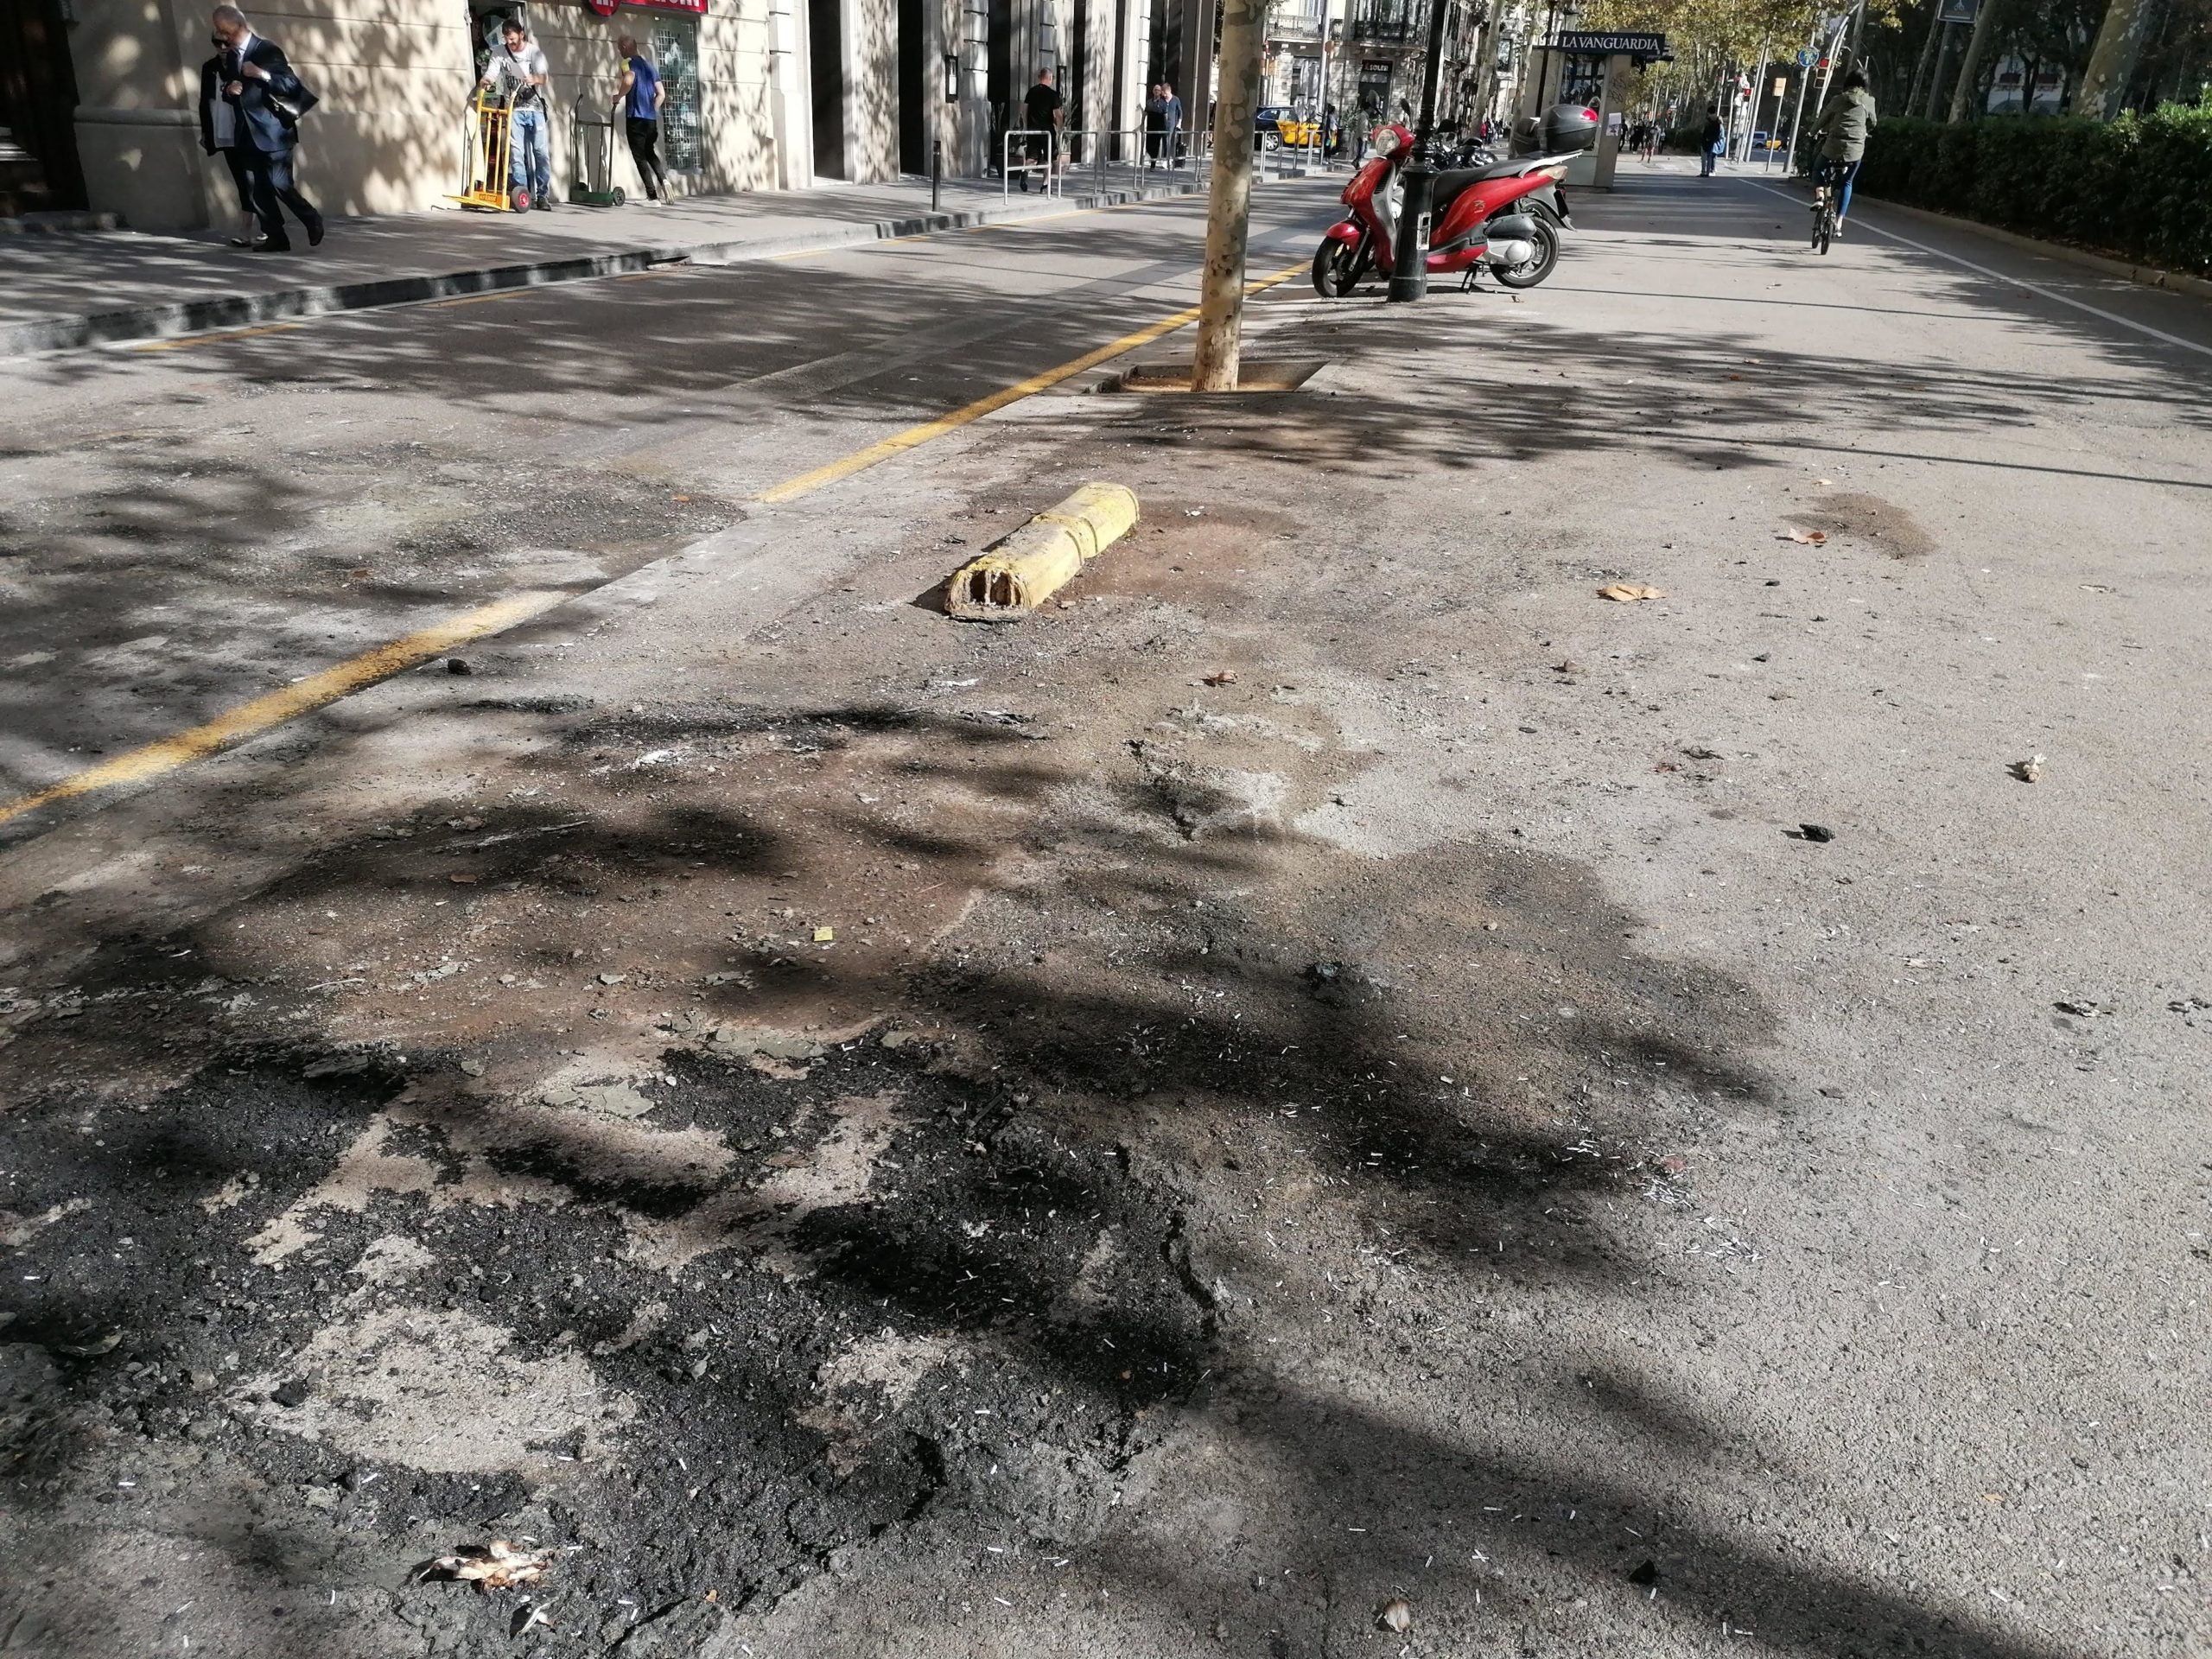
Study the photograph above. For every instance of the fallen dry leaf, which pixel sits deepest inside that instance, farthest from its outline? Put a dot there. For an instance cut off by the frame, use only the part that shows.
(1627, 593)
(496, 1565)
(1222, 676)
(1395, 1615)
(1810, 537)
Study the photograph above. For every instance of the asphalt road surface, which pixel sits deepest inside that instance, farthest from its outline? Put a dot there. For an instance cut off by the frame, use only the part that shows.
(1331, 1066)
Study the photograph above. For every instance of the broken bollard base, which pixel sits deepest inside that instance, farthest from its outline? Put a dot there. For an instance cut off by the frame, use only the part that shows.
(1012, 578)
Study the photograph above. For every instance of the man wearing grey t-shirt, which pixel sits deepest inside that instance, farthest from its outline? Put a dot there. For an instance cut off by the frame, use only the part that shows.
(517, 69)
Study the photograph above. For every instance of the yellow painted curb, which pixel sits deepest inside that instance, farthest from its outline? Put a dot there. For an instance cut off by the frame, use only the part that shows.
(1021, 572)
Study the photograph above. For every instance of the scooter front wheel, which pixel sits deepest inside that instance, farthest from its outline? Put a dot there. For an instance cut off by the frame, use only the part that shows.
(1336, 268)
(1538, 265)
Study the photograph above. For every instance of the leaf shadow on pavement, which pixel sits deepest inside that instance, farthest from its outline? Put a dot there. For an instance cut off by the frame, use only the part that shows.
(914, 1297)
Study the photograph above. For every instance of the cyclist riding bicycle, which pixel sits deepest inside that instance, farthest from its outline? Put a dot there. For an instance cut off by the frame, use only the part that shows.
(1846, 119)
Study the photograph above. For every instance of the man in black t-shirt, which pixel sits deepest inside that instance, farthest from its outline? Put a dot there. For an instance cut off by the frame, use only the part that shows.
(1044, 112)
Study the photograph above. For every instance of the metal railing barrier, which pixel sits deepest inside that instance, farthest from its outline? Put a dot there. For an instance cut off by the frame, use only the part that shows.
(1041, 158)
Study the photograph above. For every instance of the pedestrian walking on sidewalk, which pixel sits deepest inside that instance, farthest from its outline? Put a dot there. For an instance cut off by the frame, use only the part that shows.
(642, 97)
(1171, 113)
(1709, 139)
(265, 101)
(1155, 123)
(1043, 111)
(221, 135)
(517, 70)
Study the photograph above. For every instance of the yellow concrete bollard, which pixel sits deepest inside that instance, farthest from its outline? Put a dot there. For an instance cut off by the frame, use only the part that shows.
(1013, 577)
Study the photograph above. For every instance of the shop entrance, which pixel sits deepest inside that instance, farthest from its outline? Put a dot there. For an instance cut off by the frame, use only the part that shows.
(825, 57)
(998, 75)
(38, 108)
(914, 82)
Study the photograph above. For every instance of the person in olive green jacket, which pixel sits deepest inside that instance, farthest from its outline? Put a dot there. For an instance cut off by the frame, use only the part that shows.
(1846, 119)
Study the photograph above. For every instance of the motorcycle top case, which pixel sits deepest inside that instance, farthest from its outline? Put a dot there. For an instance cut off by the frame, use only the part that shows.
(1569, 128)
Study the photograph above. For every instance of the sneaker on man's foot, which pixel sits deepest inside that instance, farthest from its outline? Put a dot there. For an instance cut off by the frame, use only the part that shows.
(545, 203)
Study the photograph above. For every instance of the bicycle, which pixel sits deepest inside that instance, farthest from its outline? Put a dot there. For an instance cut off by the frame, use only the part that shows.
(1827, 189)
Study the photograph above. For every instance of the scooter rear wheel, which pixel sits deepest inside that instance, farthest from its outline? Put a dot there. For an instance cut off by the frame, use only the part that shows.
(1538, 265)
(1336, 268)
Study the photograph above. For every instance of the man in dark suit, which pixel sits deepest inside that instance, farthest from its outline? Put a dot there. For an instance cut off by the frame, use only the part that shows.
(266, 101)
(221, 135)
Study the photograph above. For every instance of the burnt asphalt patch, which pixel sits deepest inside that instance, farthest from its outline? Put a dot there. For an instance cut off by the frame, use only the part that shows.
(735, 1468)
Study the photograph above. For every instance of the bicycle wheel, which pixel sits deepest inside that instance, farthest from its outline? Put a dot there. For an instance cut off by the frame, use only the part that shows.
(1825, 231)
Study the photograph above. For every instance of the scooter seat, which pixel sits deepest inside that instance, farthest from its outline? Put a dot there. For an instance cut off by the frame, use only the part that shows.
(1451, 182)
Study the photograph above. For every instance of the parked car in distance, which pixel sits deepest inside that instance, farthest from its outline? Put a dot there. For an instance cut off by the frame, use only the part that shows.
(1275, 125)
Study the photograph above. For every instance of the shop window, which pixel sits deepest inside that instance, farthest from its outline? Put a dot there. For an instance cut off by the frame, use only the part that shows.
(675, 50)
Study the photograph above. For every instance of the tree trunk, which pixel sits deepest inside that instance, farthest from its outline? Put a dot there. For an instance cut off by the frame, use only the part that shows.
(2112, 62)
(1977, 49)
(1229, 202)
(1927, 54)
(1943, 63)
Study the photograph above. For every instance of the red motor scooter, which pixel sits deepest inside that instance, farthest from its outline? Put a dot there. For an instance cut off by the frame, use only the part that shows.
(1469, 207)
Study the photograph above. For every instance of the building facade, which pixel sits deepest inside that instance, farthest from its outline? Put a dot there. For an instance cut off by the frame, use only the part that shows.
(763, 94)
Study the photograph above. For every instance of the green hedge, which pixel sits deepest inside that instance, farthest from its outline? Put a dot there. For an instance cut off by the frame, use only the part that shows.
(2139, 187)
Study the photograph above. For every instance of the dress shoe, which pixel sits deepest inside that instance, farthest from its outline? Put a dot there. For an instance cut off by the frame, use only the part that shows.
(315, 228)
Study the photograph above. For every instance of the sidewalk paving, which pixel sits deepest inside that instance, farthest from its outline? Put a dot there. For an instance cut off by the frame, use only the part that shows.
(64, 292)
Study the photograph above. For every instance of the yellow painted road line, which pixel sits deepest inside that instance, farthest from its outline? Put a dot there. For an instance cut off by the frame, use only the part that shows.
(914, 436)
(250, 720)
(191, 341)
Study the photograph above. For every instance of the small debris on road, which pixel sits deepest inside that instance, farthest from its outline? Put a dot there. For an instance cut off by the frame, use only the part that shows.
(1395, 1615)
(825, 935)
(496, 1565)
(1643, 1573)
(1814, 832)
(2086, 1008)
(1628, 592)
(529, 1613)
(1808, 537)
(457, 665)
(1222, 676)
(2029, 770)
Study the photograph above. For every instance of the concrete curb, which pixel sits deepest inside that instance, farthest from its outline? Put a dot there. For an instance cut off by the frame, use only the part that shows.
(2175, 281)
(166, 320)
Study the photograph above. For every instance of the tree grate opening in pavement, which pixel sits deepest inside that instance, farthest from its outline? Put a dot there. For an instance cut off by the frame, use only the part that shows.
(1254, 375)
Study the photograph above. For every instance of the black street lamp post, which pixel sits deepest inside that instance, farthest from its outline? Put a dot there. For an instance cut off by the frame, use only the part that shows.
(1409, 258)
